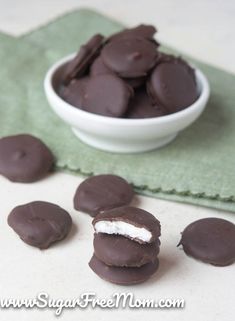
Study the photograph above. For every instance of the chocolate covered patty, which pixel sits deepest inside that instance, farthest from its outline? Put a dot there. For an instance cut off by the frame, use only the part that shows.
(131, 222)
(102, 192)
(123, 275)
(211, 240)
(24, 158)
(40, 223)
(127, 62)
(145, 31)
(126, 245)
(172, 84)
(130, 57)
(106, 95)
(99, 68)
(75, 91)
(87, 53)
(117, 250)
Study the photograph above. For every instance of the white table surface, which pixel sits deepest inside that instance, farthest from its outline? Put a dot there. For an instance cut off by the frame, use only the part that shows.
(204, 29)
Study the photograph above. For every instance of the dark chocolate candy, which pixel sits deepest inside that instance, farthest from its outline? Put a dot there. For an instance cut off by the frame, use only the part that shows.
(130, 57)
(87, 53)
(140, 106)
(99, 68)
(106, 95)
(145, 31)
(123, 275)
(139, 225)
(24, 158)
(40, 223)
(102, 192)
(211, 240)
(118, 67)
(74, 92)
(117, 250)
(172, 84)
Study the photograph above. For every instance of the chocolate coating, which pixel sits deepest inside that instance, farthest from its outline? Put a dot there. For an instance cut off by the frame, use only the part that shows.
(40, 223)
(74, 92)
(117, 250)
(24, 158)
(106, 95)
(99, 68)
(133, 216)
(102, 192)
(109, 77)
(130, 57)
(145, 31)
(87, 53)
(123, 275)
(141, 106)
(211, 240)
(172, 84)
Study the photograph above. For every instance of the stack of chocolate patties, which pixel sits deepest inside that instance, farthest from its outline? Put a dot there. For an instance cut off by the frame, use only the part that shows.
(126, 76)
(126, 245)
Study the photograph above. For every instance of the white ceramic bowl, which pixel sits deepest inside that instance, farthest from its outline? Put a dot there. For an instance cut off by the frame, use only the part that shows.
(118, 134)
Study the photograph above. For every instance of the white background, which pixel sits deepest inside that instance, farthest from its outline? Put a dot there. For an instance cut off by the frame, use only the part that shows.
(205, 30)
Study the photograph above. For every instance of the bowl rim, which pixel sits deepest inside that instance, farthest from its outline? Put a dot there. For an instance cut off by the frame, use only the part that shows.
(50, 91)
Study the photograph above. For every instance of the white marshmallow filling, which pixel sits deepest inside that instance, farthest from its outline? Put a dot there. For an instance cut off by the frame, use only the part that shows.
(123, 228)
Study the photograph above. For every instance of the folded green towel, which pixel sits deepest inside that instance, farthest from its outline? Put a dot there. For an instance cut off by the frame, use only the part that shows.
(198, 167)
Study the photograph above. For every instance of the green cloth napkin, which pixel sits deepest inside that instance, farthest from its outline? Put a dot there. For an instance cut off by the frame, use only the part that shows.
(198, 167)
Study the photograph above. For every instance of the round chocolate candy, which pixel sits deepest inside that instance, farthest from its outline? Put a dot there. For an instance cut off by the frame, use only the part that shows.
(211, 240)
(74, 92)
(102, 192)
(24, 158)
(87, 53)
(40, 223)
(140, 106)
(130, 57)
(172, 84)
(145, 31)
(117, 250)
(131, 222)
(106, 95)
(99, 68)
(123, 275)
